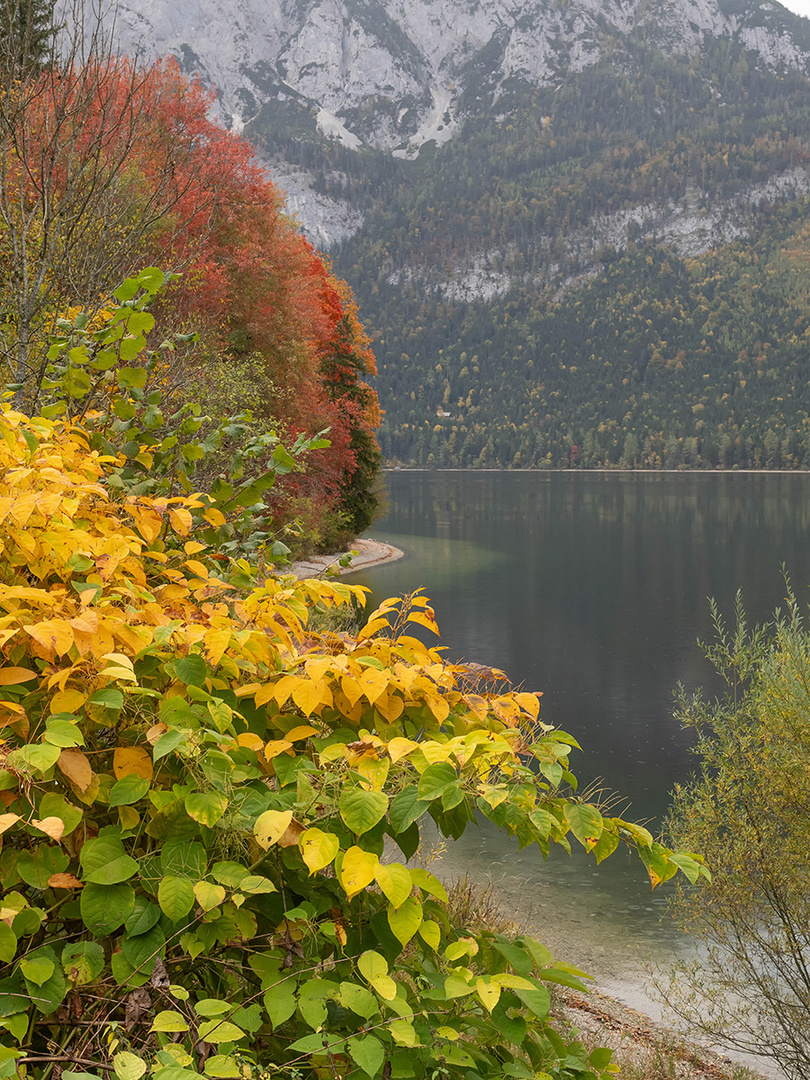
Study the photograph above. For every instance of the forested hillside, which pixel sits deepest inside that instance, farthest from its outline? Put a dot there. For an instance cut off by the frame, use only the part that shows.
(609, 271)
(108, 166)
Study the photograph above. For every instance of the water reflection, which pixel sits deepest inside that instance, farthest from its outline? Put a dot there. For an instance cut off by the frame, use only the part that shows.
(593, 588)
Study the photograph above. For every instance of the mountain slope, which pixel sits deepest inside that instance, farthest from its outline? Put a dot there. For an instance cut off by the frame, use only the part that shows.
(575, 229)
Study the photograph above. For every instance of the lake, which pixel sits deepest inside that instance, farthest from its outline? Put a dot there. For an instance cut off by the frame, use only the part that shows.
(594, 587)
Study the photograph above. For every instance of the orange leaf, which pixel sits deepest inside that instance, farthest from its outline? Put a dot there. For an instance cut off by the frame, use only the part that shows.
(54, 635)
(132, 759)
(12, 676)
(154, 733)
(64, 881)
(51, 826)
(76, 767)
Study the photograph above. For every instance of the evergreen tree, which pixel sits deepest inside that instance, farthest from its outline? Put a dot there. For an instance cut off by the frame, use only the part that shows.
(26, 31)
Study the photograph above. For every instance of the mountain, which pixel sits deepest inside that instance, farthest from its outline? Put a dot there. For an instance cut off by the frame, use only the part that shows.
(577, 230)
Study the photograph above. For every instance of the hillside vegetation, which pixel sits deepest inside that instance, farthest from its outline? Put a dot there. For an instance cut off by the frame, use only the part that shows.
(611, 271)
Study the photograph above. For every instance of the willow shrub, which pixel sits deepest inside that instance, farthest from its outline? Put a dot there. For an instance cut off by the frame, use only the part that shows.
(208, 809)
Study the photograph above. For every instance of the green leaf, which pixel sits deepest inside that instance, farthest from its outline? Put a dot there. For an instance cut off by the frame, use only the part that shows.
(406, 808)
(54, 805)
(372, 965)
(76, 383)
(37, 968)
(168, 742)
(206, 807)
(144, 916)
(105, 862)
(184, 859)
(312, 999)
(169, 1021)
(82, 962)
(191, 670)
(279, 1002)
(176, 897)
(105, 907)
(48, 994)
(368, 1053)
(362, 810)
(220, 1031)
(435, 780)
(8, 943)
(128, 790)
(108, 697)
(405, 920)
(131, 378)
(585, 823)
(517, 957)
(358, 999)
(63, 733)
(142, 950)
(429, 883)
(212, 1007)
(35, 867)
(537, 1000)
(222, 1067)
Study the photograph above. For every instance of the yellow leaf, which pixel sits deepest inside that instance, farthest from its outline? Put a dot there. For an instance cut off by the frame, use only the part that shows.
(303, 731)
(129, 760)
(357, 870)
(385, 987)
(7, 820)
(216, 642)
(395, 881)
(208, 895)
(318, 848)
(309, 695)
(181, 520)
(54, 635)
(431, 934)
(51, 826)
(276, 747)
(251, 741)
(69, 701)
(193, 547)
(373, 683)
(530, 703)
(270, 826)
(400, 748)
(425, 619)
(214, 517)
(196, 567)
(76, 767)
(283, 688)
(154, 733)
(13, 676)
(351, 688)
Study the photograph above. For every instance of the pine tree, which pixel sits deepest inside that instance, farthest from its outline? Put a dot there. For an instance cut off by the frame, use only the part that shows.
(26, 31)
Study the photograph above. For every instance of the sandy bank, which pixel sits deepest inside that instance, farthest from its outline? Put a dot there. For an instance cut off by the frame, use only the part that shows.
(369, 553)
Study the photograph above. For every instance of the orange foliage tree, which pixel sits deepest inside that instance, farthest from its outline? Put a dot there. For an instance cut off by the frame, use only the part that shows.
(107, 167)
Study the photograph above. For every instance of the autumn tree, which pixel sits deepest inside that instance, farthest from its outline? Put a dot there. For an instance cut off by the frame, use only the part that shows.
(749, 985)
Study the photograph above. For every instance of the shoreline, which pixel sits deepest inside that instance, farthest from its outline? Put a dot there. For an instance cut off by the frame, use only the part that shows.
(369, 553)
(608, 470)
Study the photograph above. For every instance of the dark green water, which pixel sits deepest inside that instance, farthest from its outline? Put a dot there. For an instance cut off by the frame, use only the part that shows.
(593, 587)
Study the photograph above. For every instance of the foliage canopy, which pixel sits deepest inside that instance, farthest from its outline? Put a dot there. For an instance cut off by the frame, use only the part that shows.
(209, 806)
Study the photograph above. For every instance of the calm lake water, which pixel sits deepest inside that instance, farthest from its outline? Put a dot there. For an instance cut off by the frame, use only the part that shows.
(594, 587)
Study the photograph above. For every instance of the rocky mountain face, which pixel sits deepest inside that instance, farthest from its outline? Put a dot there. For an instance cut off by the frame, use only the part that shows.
(393, 74)
(576, 228)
